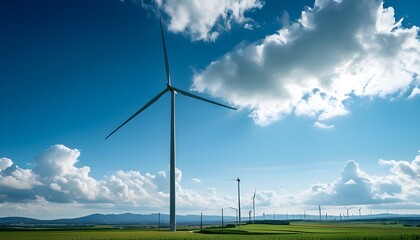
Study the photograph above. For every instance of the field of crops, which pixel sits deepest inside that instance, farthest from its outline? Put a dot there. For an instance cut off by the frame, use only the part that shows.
(298, 231)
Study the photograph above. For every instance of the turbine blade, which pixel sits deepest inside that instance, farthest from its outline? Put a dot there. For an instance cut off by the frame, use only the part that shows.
(168, 78)
(140, 110)
(201, 98)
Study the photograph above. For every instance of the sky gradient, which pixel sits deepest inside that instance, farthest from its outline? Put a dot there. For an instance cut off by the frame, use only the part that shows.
(328, 94)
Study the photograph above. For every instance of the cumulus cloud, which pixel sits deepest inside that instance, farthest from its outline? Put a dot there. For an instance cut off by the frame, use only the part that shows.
(56, 179)
(267, 199)
(204, 20)
(335, 51)
(5, 163)
(353, 186)
(404, 182)
(14, 179)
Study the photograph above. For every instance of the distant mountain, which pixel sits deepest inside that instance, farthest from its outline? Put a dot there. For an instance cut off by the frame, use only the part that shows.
(152, 219)
(19, 220)
(116, 219)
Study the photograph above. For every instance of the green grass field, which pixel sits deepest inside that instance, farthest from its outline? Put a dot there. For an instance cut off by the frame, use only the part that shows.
(253, 231)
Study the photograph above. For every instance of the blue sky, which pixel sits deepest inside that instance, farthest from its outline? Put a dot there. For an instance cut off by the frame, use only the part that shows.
(328, 97)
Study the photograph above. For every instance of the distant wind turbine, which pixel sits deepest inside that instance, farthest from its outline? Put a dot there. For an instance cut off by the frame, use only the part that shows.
(253, 203)
(236, 211)
(360, 213)
(239, 196)
(173, 90)
(319, 208)
(222, 217)
(348, 218)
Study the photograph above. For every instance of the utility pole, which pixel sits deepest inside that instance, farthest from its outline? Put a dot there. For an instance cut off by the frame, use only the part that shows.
(159, 221)
(201, 221)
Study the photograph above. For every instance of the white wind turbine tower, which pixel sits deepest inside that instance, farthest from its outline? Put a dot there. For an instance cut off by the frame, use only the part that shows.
(253, 203)
(348, 218)
(239, 196)
(319, 208)
(173, 90)
(236, 211)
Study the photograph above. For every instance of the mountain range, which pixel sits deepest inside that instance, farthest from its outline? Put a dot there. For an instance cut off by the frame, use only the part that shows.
(153, 219)
(116, 219)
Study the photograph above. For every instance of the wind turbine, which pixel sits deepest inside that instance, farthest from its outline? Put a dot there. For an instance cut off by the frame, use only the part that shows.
(253, 203)
(348, 218)
(222, 217)
(236, 210)
(319, 208)
(360, 213)
(173, 90)
(239, 196)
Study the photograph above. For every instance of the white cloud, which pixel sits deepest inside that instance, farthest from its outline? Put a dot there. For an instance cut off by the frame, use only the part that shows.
(196, 180)
(5, 163)
(267, 199)
(323, 125)
(15, 179)
(58, 160)
(353, 186)
(351, 181)
(414, 92)
(249, 26)
(204, 20)
(56, 179)
(314, 66)
(62, 181)
(405, 176)
(61, 185)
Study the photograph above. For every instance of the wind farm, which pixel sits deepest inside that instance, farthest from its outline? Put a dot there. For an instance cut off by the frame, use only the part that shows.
(239, 119)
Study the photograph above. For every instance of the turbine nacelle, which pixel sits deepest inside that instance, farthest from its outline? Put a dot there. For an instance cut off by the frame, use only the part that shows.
(171, 89)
